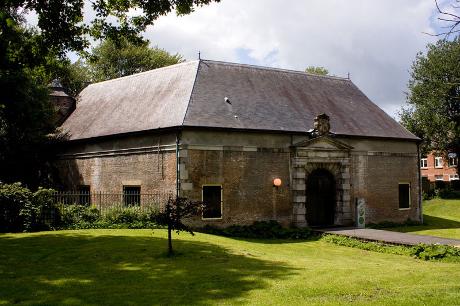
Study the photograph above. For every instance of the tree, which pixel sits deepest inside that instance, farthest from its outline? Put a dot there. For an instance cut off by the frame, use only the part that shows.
(176, 210)
(113, 59)
(26, 116)
(432, 111)
(450, 18)
(63, 26)
(317, 70)
(30, 57)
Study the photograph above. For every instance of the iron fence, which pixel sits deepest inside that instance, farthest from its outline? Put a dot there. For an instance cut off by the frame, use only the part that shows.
(104, 201)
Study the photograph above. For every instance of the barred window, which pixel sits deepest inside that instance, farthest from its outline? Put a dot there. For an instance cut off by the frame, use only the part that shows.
(132, 195)
(84, 195)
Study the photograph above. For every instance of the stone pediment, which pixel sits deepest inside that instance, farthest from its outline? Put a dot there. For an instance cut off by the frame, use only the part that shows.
(323, 143)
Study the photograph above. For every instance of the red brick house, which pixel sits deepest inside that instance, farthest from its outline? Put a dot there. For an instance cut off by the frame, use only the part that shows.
(435, 167)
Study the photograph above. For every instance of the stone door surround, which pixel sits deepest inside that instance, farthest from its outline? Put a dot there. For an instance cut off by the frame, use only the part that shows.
(321, 153)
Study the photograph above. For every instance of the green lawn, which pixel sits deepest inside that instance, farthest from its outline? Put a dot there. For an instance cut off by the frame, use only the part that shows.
(441, 218)
(129, 267)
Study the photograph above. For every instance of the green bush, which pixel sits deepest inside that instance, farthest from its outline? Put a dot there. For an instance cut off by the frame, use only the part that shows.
(447, 193)
(15, 207)
(84, 217)
(22, 210)
(435, 251)
(72, 215)
(421, 251)
(259, 230)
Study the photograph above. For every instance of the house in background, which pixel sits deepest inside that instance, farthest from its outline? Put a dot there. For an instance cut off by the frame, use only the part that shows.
(253, 143)
(436, 168)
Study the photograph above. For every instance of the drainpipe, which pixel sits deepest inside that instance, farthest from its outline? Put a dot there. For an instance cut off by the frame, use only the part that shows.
(177, 165)
(419, 183)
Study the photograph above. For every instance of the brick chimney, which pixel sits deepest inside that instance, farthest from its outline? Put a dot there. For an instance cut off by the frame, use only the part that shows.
(63, 103)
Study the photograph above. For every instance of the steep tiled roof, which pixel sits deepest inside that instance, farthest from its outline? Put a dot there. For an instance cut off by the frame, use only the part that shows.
(225, 95)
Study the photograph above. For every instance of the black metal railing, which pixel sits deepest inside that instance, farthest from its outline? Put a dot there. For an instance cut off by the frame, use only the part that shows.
(105, 201)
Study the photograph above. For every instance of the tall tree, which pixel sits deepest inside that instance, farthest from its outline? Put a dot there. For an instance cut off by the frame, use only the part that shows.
(114, 59)
(26, 56)
(317, 70)
(26, 117)
(432, 111)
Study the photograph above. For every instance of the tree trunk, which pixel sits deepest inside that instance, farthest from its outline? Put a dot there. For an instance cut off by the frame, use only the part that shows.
(168, 213)
(170, 249)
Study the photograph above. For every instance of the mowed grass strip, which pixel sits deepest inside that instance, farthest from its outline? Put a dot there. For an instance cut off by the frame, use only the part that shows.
(130, 267)
(441, 218)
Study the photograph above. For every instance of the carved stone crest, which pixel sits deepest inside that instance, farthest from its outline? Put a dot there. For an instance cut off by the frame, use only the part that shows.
(322, 125)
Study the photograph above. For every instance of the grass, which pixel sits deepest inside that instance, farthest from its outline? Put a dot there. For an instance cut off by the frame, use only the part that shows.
(129, 267)
(441, 218)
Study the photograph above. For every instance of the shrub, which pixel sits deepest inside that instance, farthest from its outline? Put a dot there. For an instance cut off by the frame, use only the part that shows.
(447, 193)
(435, 251)
(261, 230)
(73, 216)
(440, 184)
(84, 217)
(421, 251)
(455, 185)
(15, 207)
(45, 214)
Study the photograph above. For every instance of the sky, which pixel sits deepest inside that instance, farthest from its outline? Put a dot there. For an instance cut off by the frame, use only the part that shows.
(375, 41)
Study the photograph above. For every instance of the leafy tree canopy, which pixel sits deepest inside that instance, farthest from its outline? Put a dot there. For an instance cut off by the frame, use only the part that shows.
(30, 58)
(67, 24)
(317, 70)
(26, 117)
(432, 111)
(112, 60)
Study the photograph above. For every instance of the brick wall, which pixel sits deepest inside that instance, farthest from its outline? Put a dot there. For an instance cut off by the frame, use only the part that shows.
(380, 186)
(247, 181)
(152, 171)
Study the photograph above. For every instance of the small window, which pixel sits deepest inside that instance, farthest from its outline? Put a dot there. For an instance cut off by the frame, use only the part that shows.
(452, 160)
(84, 195)
(132, 195)
(404, 195)
(453, 177)
(423, 163)
(438, 178)
(438, 162)
(212, 202)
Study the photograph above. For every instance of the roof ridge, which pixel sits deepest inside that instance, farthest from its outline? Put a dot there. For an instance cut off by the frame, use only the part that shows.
(191, 91)
(277, 69)
(146, 72)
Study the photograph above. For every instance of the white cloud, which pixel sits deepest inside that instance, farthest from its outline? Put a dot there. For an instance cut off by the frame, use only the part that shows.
(376, 41)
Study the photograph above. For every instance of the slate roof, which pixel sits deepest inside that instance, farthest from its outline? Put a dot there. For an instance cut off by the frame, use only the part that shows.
(258, 98)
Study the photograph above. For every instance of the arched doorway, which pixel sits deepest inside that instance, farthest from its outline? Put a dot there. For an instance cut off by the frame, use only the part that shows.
(320, 198)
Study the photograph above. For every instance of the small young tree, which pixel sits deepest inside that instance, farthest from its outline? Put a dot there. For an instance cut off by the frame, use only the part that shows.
(176, 210)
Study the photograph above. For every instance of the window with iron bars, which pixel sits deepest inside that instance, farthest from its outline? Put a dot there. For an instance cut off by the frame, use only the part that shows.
(132, 195)
(84, 195)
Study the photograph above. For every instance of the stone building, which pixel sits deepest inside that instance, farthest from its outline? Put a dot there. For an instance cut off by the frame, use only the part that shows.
(253, 143)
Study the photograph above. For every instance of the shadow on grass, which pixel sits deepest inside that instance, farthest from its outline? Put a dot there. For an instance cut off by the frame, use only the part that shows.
(313, 237)
(430, 223)
(77, 269)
